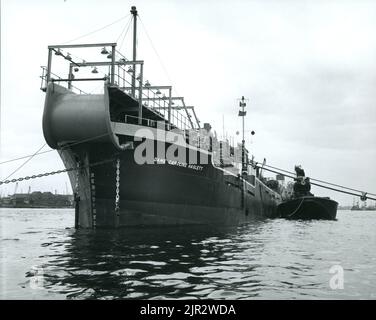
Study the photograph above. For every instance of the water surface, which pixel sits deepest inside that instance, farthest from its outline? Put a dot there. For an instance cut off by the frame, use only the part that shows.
(43, 257)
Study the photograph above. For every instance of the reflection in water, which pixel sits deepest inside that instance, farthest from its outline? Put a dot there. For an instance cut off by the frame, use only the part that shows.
(160, 263)
(264, 259)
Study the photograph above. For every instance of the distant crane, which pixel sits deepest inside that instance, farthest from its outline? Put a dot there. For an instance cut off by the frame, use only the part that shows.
(15, 188)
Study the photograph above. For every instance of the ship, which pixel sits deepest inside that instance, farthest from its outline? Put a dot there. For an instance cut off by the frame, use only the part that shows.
(300, 204)
(138, 156)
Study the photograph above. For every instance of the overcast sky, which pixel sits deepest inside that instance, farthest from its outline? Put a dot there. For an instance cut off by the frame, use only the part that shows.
(308, 69)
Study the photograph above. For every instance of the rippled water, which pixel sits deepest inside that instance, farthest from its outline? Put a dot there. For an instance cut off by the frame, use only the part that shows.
(43, 257)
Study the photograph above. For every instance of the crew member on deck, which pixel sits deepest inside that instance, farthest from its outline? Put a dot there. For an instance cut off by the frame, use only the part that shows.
(302, 185)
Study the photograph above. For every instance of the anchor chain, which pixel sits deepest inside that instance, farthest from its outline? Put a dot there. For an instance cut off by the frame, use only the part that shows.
(76, 187)
(76, 195)
(117, 190)
(34, 176)
(93, 198)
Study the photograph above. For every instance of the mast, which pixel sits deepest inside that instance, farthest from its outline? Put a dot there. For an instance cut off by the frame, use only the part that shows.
(242, 114)
(243, 140)
(244, 172)
(134, 13)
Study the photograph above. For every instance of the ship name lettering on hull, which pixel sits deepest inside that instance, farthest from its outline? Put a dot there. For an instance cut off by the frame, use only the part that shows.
(178, 164)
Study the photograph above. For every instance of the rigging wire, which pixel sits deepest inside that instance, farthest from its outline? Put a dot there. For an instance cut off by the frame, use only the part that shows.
(321, 181)
(320, 185)
(63, 148)
(30, 157)
(161, 62)
(125, 34)
(24, 157)
(126, 28)
(158, 56)
(123, 29)
(97, 30)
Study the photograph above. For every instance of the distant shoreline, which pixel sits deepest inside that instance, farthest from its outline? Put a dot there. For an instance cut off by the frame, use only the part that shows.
(37, 207)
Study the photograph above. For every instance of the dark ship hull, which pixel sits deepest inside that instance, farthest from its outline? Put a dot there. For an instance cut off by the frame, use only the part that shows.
(164, 194)
(308, 207)
(157, 193)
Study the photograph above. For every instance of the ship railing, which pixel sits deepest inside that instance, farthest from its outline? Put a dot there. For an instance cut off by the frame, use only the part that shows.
(125, 85)
(56, 78)
(152, 123)
(166, 105)
(151, 97)
(162, 105)
(126, 75)
(158, 105)
(197, 141)
(158, 124)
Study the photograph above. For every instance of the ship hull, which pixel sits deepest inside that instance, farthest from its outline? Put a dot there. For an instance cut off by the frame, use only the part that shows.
(160, 194)
(307, 208)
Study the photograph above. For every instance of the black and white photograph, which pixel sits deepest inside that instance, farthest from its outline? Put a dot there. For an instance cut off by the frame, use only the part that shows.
(213, 151)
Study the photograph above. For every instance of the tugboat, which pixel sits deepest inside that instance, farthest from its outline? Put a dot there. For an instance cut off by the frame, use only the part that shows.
(301, 204)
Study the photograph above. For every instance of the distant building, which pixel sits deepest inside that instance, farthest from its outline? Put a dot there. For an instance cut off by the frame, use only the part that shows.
(37, 199)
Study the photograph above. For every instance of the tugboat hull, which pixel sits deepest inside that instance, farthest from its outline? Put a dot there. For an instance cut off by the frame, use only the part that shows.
(306, 208)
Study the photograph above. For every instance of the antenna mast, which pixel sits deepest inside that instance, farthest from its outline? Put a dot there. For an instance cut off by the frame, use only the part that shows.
(134, 13)
(242, 114)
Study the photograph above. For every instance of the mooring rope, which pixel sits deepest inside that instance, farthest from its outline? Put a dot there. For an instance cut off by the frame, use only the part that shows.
(297, 209)
(322, 181)
(364, 194)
